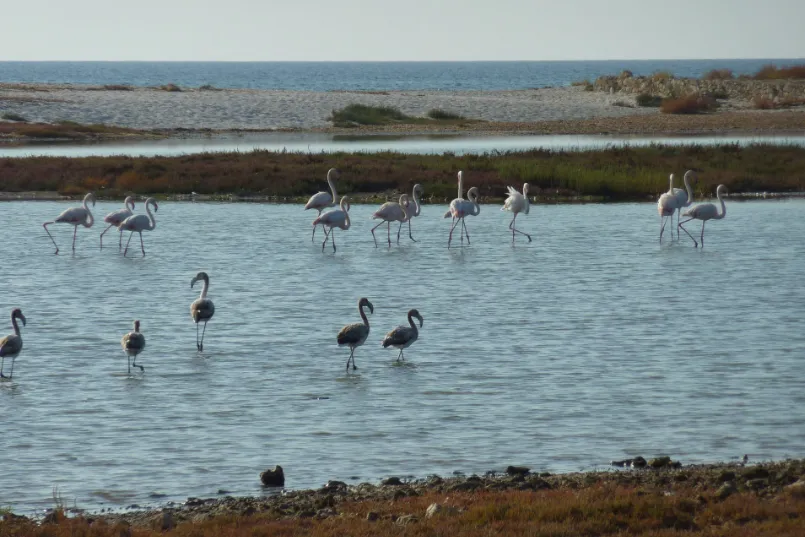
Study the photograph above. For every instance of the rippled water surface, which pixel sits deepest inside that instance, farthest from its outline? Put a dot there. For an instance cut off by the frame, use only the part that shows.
(591, 343)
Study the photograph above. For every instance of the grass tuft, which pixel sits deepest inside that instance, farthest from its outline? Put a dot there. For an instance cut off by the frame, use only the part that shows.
(690, 104)
(361, 114)
(438, 113)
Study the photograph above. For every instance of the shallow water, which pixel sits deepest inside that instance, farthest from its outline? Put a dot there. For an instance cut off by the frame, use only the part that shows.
(591, 343)
(411, 144)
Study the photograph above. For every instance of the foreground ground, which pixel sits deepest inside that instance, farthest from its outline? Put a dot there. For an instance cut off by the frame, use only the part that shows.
(615, 174)
(734, 500)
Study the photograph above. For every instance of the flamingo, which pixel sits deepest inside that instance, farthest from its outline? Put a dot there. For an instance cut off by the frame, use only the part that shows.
(683, 197)
(403, 337)
(354, 335)
(323, 200)
(389, 212)
(133, 344)
(517, 203)
(705, 212)
(458, 199)
(459, 209)
(666, 206)
(140, 223)
(11, 345)
(116, 217)
(74, 216)
(413, 208)
(332, 219)
(202, 309)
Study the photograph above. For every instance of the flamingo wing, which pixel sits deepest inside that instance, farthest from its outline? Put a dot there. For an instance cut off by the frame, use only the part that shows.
(319, 201)
(399, 336)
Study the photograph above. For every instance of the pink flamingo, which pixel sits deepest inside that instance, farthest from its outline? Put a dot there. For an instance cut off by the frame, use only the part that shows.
(323, 200)
(705, 212)
(139, 223)
(666, 206)
(460, 208)
(331, 219)
(389, 212)
(115, 218)
(74, 216)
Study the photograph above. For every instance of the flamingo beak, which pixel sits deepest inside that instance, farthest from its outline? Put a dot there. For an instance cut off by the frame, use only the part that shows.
(22, 318)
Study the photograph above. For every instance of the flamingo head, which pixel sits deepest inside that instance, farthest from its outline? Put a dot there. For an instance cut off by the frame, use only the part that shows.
(129, 202)
(333, 173)
(345, 206)
(16, 313)
(90, 197)
(721, 190)
(365, 302)
(415, 313)
(201, 276)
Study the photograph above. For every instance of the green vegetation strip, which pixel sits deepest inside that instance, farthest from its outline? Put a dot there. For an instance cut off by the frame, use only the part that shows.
(354, 115)
(615, 174)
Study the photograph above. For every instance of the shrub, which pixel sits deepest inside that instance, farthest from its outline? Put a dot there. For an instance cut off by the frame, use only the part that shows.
(772, 72)
(581, 83)
(208, 87)
(762, 103)
(361, 114)
(170, 87)
(11, 116)
(644, 99)
(117, 87)
(662, 76)
(438, 113)
(718, 74)
(691, 104)
(625, 74)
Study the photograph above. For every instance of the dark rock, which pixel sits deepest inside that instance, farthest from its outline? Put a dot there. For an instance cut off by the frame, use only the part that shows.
(621, 463)
(517, 470)
(537, 483)
(192, 502)
(638, 462)
(726, 490)
(223, 491)
(306, 513)
(545, 474)
(273, 478)
(393, 481)
(755, 472)
(757, 484)
(660, 462)
(406, 519)
(334, 486)
(726, 475)
(167, 522)
(463, 485)
(371, 516)
(474, 478)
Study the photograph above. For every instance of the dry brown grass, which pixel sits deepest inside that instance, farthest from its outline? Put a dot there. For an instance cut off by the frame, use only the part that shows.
(772, 72)
(610, 174)
(598, 510)
(761, 102)
(690, 104)
(718, 74)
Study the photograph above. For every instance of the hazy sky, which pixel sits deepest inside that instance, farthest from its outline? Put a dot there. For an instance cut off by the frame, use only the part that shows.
(273, 30)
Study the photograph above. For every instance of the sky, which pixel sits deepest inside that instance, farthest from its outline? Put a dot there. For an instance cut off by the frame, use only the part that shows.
(403, 30)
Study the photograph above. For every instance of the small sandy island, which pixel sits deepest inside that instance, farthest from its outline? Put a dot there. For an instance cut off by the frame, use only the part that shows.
(559, 110)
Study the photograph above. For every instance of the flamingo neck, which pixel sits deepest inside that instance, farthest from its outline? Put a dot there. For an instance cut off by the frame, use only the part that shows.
(412, 323)
(90, 219)
(525, 196)
(460, 186)
(152, 221)
(688, 189)
(129, 204)
(205, 288)
(417, 206)
(363, 315)
(16, 326)
(476, 207)
(723, 212)
(345, 207)
(671, 184)
(333, 193)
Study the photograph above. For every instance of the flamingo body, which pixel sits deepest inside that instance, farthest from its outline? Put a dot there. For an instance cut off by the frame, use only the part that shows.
(517, 203)
(403, 337)
(354, 335)
(338, 218)
(202, 309)
(139, 223)
(389, 212)
(115, 218)
(133, 344)
(75, 216)
(11, 346)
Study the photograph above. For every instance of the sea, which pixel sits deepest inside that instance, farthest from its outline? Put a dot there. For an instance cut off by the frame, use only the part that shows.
(361, 76)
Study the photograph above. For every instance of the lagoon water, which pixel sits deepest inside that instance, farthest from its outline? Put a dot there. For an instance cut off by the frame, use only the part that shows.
(592, 343)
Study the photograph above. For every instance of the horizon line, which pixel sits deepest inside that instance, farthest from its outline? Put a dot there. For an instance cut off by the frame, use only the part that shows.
(410, 61)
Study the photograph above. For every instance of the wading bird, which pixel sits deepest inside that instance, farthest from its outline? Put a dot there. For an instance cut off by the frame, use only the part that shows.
(389, 212)
(459, 198)
(403, 337)
(354, 335)
(517, 203)
(115, 218)
(705, 212)
(202, 309)
(133, 344)
(666, 206)
(683, 197)
(323, 200)
(331, 219)
(10, 346)
(459, 209)
(413, 208)
(75, 216)
(139, 223)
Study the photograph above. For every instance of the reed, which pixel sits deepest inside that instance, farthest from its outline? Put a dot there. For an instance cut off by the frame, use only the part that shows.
(613, 174)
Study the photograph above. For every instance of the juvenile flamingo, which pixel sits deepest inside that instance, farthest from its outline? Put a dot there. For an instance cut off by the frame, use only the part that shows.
(202, 309)
(11, 345)
(331, 219)
(705, 212)
(75, 216)
(323, 200)
(460, 209)
(403, 337)
(354, 335)
(389, 212)
(139, 223)
(413, 208)
(683, 197)
(666, 206)
(133, 344)
(517, 203)
(115, 218)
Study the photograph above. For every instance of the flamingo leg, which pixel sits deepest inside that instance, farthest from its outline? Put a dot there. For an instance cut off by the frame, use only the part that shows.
(409, 231)
(45, 225)
(127, 244)
(134, 363)
(398, 233)
(102, 233)
(373, 231)
(142, 246)
(663, 220)
(702, 237)
(197, 347)
(352, 358)
(13, 359)
(314, 228)
(388, 231)
(515, 230)
(464, 225)
(201, 345)
(120, 239)
(332, 238)
(688, 234)
(400, 356)
(450, 238)
(2, 365)
(128, 359)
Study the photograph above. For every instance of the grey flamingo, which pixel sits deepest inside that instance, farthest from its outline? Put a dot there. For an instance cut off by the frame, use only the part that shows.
(354, 335)
(202, 309)
(10, 346)
(403, 337)
(133, 344)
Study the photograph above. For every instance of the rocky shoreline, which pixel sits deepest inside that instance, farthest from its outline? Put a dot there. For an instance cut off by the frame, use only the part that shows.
(711, 482)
